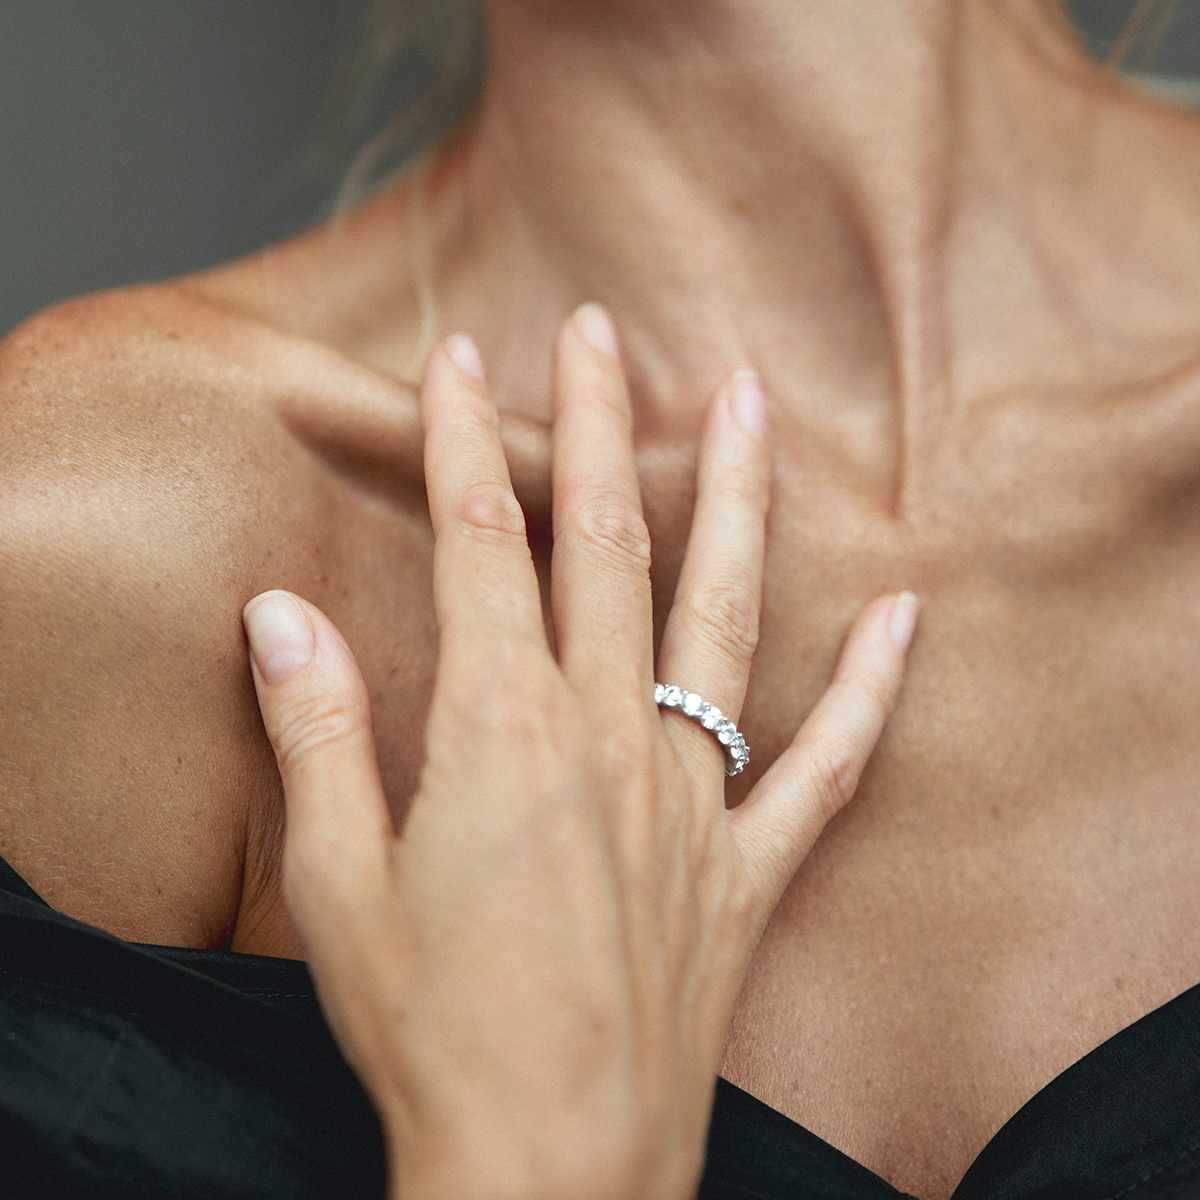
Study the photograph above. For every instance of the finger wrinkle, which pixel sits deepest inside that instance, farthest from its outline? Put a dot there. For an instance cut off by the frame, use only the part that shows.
(611, 527)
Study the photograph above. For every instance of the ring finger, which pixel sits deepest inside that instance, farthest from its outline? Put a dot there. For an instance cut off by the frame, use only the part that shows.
(712, 629)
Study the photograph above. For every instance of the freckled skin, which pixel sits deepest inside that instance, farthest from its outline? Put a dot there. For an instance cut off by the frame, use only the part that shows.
(123, 588)
(1042, 744)
(1017, 878)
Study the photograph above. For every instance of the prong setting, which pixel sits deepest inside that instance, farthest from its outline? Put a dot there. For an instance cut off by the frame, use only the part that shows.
(696, 708)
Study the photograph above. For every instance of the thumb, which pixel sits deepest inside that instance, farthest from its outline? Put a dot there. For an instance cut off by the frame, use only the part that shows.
(317, 713)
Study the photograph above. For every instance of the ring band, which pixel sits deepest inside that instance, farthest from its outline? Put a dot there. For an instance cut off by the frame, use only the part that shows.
(688, 704)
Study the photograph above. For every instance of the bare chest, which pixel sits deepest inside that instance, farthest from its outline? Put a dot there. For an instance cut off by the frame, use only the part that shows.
(1019, 875)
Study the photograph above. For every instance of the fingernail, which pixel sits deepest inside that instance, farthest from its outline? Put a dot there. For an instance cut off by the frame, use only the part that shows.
(595, 325)
(465, 354)
(749, 402)
(281, 638)
(904, 621)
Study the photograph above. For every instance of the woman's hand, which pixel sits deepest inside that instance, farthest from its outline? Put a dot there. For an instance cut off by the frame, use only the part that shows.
(534, 977)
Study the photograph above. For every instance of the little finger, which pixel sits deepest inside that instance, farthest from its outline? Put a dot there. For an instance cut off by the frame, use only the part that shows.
(778, 823)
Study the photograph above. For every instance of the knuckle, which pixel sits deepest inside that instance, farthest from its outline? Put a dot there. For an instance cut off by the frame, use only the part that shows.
(609, 390)
(490, 505)
(479, 407)
(530, 719)
(744, 908)
(631, 750)
(598, 381)
(747, 485)
(723, 617)
(608, 525)
(880, 692)
(309, 724)
(834, 769)
(518, 705)
(866, 701)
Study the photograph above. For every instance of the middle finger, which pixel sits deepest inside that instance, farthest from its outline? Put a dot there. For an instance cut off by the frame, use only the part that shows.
(600, 582)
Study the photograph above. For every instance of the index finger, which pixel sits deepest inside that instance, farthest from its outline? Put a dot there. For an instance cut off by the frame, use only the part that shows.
(483, 576)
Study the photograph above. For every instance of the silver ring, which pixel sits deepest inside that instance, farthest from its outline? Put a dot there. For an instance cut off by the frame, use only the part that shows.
(688, 704)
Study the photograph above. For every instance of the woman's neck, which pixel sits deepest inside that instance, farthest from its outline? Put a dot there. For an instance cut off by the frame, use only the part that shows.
(706, 162)
(885, 207)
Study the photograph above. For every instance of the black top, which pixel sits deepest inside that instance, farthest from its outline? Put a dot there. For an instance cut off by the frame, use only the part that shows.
(139, 1071)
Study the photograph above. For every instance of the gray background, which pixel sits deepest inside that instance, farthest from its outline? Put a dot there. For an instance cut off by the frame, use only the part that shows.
(142, 138)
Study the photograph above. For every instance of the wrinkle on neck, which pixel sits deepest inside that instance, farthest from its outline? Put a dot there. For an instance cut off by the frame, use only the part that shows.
(872, 203)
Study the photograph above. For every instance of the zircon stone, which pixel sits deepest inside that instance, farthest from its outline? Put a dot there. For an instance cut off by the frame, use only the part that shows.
(737, 753)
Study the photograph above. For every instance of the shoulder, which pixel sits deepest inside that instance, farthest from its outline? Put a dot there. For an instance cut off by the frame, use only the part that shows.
(163, 457)
(155, 439)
